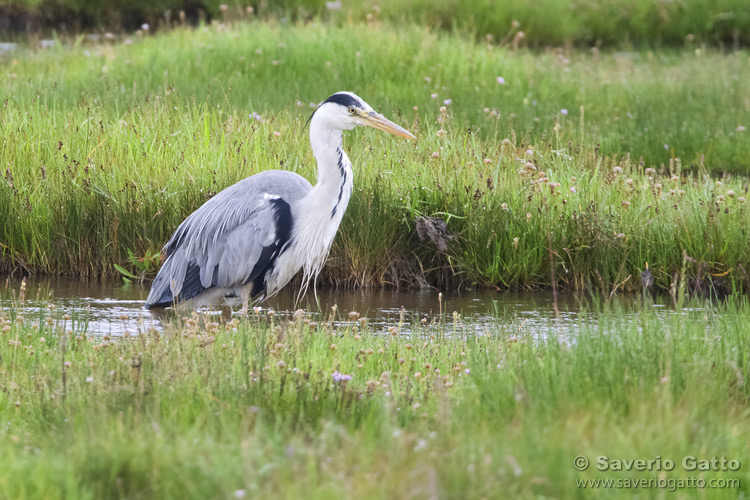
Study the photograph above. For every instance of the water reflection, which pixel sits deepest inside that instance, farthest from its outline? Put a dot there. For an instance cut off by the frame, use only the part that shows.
(113, 308)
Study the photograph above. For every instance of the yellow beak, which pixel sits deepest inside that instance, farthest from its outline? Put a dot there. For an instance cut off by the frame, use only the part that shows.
(380, 122)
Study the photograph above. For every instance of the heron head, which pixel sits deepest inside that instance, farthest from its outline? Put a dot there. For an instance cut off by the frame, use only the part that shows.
(346, 110)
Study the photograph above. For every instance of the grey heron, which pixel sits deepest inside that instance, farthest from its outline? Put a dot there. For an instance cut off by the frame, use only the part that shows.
(250, 239)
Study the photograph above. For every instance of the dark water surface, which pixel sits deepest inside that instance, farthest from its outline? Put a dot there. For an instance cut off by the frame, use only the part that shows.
(115, 308)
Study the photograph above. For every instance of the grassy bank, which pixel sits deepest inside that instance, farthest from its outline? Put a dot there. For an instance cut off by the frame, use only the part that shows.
(604, 156)
(546, 23)
(285, 408)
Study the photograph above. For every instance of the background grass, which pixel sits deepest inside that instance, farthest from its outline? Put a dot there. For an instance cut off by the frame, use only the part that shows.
(617, 23)
(106, 148)
(207, 410)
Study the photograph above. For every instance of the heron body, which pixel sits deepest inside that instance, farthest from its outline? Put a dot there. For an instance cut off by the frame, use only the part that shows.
(250, 239)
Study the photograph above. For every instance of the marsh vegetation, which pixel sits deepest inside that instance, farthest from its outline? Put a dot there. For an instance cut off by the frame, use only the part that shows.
(588, 163)
(566, 149)
(323, 407)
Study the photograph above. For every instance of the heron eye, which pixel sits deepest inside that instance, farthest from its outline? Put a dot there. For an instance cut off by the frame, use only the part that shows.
(352, 110)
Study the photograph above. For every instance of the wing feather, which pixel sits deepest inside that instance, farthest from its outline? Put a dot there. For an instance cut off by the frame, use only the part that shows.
(224, 240)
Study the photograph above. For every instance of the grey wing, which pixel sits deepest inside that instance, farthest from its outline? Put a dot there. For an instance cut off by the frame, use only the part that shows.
(230, 241)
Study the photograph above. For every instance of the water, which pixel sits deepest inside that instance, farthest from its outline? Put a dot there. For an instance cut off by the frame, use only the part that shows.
(115, 308)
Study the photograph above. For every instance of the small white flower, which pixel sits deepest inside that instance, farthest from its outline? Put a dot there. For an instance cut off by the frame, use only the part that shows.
(564, 112)
(501, 80)
(447, 102)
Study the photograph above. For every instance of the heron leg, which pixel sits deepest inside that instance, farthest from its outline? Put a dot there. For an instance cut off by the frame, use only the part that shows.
(246, 292)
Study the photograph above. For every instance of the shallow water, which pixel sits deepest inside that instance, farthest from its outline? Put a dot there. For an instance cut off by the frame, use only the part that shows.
(114, 308)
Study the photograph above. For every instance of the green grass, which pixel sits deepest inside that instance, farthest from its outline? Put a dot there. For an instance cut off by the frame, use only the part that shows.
(107, 148)
(204, 410)
(618, 23)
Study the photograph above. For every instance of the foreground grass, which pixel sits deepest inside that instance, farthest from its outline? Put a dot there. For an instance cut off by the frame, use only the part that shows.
(257, 407)
(600, 158)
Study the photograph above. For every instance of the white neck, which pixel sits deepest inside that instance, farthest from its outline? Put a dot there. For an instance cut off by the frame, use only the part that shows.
(320, 211)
